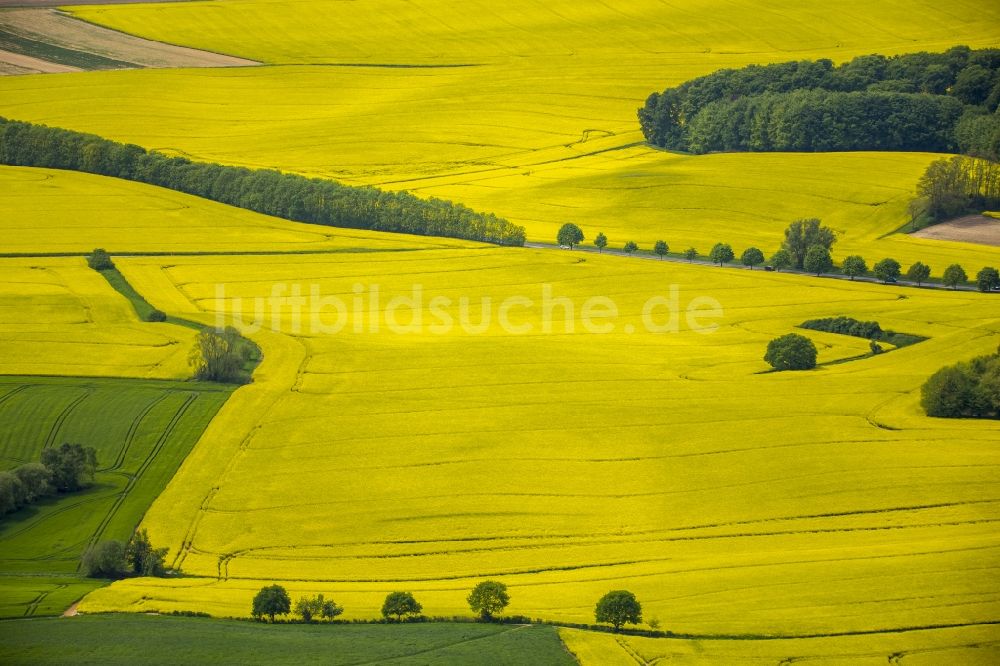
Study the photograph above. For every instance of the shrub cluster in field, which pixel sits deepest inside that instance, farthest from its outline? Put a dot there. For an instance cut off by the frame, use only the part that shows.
(970, 389)
(487, 600)
(65, 469)
(264, 191)
(916, 102)
(114, 559)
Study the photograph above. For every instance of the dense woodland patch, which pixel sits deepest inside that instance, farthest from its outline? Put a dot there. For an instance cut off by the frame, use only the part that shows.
(936, 102)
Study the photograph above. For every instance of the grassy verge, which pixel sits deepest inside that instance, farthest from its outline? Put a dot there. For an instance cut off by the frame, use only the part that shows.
(111, 639)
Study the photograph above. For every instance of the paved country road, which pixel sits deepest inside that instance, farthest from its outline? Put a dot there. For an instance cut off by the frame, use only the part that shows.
(737, 266)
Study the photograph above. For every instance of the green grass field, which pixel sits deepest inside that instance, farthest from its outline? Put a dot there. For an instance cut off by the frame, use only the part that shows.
(142, 431)
(172, 640)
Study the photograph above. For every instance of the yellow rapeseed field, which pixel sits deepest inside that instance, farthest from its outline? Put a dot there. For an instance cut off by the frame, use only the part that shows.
(564, 462)
(61, 318)
(567, 463)
(540, 128)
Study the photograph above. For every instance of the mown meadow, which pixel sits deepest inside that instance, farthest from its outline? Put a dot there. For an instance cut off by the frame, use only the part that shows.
(757, 515)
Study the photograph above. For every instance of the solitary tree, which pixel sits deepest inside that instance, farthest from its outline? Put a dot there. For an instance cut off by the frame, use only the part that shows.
(954, 275)
(100, 260)
(782, 259)
(661, 248)
(601, 242)
(569, 234)
(802, 235)
(918, 272)
(791, 352)
(988, 278)
(721, 253)
(618, 607)
(690, 254)
(751, 257)
(400, 604)
(105, 559)
(270, 601)
(818, 260)
(488, 598)
(630, 247)
(854, 266)
(887, 270)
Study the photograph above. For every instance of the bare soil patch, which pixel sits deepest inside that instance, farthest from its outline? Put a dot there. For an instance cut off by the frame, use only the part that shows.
(48, 35)
(18, 63)
(969, 229)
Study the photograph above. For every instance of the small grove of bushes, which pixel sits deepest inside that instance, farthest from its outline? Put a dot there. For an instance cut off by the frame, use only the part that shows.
(869, 330)
(223, 355)
(266, 191)
(487, 599)
(965, 390)
(66, 469)
(114, 559)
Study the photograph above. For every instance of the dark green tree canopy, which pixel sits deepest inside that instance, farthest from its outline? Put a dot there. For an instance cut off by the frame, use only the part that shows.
(818, 260)
(618, 607)
(721, 253)
(906, 102)
(271, 601)
(887, 270)
(954, 276)
(72, 466)
(105, 559)
(964, 390)
(488, 598)
(569, 234)
(661, 248)
(988, 279)
(100, 260)
(918, 272)
(791, 352)
(751, 257)
(630, 247)
(802, 235)
(601, 242)
(400, 605)
(690, 254)
(782, 259)
(854, 266)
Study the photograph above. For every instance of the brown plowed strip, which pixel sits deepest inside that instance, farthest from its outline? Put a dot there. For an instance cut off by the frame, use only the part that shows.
(969, 229)
(53, 27)
(15, 63)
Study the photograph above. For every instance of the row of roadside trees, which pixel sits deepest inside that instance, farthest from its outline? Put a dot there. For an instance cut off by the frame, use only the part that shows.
(807, 247)
(487, 600)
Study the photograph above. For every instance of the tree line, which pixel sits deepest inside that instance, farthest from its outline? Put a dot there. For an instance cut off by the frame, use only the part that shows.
(487, 600)
(66, 469)
(807, 247)
(938, 102)
(289, 196)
